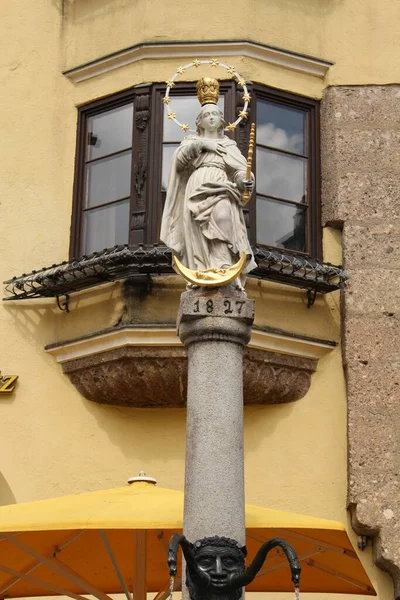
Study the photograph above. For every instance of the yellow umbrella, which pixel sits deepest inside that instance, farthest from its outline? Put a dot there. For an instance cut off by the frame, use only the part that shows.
(116, 540)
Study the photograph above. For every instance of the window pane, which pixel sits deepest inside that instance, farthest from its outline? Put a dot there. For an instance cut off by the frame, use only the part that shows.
(107, 226)
(186, 109)
(111, 131)
(281, 224)
(108, 179)
(281, 127)
(281, 175)
(166, 162)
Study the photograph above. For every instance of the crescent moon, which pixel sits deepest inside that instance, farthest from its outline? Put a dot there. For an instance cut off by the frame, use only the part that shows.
(211, 277)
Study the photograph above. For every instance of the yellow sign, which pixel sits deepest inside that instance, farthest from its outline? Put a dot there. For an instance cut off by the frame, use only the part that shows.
(7, 383)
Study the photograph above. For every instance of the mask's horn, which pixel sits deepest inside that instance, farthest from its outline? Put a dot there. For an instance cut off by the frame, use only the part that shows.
(243, 579)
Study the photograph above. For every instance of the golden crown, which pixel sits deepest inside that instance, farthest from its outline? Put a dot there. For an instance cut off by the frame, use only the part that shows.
(207, 90)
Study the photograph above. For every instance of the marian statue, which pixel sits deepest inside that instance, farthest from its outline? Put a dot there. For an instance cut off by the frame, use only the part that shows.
(203, 220)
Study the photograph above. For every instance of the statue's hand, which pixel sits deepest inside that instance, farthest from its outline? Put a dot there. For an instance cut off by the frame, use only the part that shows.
(211, 146)
(248, 185)
(245, 185)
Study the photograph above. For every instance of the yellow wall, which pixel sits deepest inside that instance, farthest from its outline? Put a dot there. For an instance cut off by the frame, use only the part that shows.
(55, 442)
(360, 36)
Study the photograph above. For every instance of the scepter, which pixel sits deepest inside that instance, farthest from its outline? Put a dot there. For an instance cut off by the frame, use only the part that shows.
(246, 193)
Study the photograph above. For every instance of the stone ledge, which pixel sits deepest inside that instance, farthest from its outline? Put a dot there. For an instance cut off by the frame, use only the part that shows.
(146, 367)
(202, 49)
(164, 335)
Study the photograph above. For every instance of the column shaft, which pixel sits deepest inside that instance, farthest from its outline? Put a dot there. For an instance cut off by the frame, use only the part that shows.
(215, 326)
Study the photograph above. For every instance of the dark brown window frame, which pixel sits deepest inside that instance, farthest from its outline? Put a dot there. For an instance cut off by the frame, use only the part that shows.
(311, 107)
(147, 133)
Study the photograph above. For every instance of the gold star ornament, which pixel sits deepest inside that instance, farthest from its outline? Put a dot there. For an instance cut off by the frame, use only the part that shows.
(170, 83)
(243, 114)
(166, 100)
(196, 63)
(246, 97)
(230, 69)
(231, 127)
(172, 116)
(180, 70)
(214, 62)
(241, 82)
(184, 127)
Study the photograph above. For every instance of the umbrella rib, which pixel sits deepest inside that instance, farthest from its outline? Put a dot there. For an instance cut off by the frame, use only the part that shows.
(37, 564)
(115, 564)
(70, 540)
(17, 579)
(60, 568)
(326, 545)
(42, 584)
(284, 563)
(355, 582)
(14, 534)
(160, 537)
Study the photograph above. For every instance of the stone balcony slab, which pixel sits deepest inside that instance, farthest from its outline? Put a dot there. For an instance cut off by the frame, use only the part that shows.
(146, 366)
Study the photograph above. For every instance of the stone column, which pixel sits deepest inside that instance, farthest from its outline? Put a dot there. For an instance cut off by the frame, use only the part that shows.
(215, 326)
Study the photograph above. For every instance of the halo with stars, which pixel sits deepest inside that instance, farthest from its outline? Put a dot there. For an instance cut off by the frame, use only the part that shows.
(214, 62)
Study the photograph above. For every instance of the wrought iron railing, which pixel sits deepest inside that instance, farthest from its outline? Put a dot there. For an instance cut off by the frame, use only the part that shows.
(124, 262)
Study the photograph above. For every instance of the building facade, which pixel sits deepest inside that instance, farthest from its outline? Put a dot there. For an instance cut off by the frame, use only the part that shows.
(88, 321)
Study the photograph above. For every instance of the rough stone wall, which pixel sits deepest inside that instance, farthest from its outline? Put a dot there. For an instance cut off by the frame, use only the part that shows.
(361, 195)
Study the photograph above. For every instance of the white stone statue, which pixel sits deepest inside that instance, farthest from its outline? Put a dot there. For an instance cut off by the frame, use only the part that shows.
(203, 219)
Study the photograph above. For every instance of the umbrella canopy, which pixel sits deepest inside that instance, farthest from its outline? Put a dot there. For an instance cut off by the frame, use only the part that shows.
(116, 541)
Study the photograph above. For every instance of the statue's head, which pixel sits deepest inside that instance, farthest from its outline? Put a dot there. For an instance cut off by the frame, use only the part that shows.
(220, 558)
(210, 119)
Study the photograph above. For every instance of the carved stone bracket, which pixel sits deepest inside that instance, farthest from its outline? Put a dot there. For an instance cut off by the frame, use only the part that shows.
(271, 378)
(147, 367)
(132, 376)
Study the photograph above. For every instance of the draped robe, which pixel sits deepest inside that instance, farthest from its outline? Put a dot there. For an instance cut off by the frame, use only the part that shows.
(203, 219)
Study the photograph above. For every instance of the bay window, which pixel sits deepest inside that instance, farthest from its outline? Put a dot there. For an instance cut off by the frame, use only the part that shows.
(124, 148)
